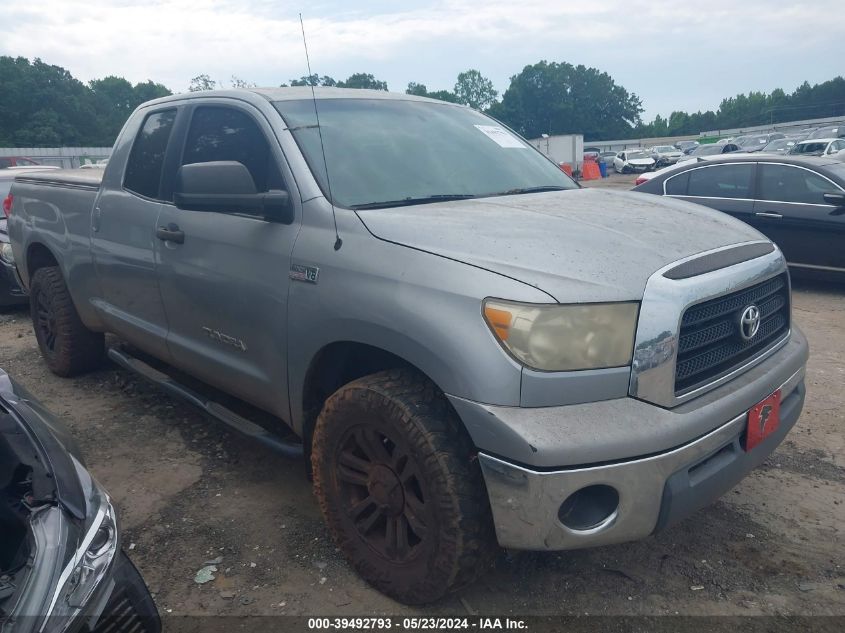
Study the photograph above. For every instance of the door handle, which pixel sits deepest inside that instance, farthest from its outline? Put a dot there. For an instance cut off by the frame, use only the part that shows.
(171, 233)
(763, 214)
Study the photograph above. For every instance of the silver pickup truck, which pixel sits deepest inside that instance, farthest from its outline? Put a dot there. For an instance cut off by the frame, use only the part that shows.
(469, 346)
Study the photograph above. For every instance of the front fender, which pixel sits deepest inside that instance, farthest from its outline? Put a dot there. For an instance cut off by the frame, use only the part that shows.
(423, 308)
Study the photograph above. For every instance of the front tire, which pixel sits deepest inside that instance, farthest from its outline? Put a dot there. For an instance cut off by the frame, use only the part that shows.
(400, 488)
(68, 347)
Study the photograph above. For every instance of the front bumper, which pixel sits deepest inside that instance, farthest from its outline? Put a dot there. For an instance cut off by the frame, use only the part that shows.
(653, 491)
(130, 606)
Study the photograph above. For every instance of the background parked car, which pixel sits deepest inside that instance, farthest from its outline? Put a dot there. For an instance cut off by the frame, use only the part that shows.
(15, 161)
(798, 202)
(686, 146)
(829, 131)
(607, 157)
(818, 147)
(711, 149)
(633, 160)
(665, 155)
(757, 142)
(780, 146)
(11, 292)
(61, 563)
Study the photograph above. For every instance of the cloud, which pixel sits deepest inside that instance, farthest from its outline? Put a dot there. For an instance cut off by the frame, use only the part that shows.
(666, 51)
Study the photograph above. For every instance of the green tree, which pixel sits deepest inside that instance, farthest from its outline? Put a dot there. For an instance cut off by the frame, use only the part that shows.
(475, 90)
(43, 105)
(114, 99)
(313, 80)
(363, 81)
(559, 98)
(150, 90)
(237, 82)
(416, 89)
(202, 82)
(420, 90)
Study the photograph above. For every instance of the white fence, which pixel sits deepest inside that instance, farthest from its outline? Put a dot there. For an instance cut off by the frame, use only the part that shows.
(789, 127)
(67, 157)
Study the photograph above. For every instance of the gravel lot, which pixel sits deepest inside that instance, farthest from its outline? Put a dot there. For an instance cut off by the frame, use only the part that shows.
(190, 491)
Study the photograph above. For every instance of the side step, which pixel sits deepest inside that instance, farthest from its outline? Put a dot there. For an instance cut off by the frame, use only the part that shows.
(291, 450)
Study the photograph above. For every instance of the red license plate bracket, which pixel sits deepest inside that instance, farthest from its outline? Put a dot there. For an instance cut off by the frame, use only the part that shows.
(763, 420)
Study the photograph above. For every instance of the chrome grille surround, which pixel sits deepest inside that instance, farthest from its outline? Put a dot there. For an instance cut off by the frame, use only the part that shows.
(664, 303)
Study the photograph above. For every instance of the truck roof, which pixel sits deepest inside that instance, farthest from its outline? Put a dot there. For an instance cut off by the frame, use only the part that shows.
(299, 93)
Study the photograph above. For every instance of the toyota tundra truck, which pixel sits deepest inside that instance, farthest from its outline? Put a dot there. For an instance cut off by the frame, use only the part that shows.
(467, 347)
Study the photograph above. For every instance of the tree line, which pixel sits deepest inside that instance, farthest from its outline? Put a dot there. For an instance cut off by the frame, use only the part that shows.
(826, 99)
(44, 105)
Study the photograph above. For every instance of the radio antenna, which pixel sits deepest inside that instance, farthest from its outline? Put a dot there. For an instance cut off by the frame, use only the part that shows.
(338, 242)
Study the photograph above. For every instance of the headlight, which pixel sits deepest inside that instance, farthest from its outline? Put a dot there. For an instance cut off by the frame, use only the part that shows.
(6, 253)
(88, 566)
(564, 337)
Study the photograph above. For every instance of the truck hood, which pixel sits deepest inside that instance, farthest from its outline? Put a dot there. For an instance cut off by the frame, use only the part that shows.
(577, 245)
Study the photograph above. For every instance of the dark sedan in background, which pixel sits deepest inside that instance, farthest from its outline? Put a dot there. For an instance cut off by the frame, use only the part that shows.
(798, 202)
(11, 292)
(61, 566)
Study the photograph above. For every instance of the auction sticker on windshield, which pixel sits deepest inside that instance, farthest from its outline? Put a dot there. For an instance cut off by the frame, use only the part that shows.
(501, 136)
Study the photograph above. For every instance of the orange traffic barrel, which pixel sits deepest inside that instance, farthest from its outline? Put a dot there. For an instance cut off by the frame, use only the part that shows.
(567, 168)
(590, 171)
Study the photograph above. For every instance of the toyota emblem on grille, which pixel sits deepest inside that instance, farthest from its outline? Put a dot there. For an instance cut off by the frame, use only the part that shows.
(749, 322)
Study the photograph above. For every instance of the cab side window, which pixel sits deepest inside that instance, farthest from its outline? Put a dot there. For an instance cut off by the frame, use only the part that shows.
(143, 170)
(782, 183)
(221, 133)
(721, 181)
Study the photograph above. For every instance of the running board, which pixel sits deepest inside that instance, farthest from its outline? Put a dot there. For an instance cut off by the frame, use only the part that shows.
(291, 450)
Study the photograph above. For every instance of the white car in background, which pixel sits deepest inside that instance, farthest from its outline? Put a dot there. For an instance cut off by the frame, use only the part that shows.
(818, 147)
(665, 155)
(628, 161)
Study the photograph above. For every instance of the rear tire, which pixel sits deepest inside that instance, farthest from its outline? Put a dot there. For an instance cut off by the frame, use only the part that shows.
(68, 347)
(400, 488)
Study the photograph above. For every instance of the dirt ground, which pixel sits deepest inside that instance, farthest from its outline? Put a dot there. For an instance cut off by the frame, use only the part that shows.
(190, 491)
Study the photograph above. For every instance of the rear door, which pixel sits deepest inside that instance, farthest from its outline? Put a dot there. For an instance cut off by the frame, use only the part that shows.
(225, 286)
(123, 234)
(793, 213)
(726, 187)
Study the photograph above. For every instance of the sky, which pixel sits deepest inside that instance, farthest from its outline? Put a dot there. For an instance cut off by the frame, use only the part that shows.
(675, 55)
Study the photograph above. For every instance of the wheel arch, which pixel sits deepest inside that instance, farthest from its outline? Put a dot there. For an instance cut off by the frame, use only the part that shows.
(337, 364)
(38, 255)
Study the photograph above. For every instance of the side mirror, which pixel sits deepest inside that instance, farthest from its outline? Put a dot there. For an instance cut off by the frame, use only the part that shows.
(837, 200)
(227, 187)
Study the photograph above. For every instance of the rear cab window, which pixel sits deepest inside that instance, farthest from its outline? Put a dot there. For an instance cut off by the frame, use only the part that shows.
(144, 167)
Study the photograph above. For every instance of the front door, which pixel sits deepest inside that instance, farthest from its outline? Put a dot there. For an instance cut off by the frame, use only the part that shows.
(225, 285)
(123, 240)
(791, 210)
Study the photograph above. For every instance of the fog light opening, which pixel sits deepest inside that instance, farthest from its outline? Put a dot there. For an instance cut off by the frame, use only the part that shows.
(589, 507)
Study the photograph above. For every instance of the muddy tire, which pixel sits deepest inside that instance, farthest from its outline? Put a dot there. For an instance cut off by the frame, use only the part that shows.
(68, 347)
(400, 488)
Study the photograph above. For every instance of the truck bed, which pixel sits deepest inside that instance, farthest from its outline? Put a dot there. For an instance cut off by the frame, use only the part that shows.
(72, 178)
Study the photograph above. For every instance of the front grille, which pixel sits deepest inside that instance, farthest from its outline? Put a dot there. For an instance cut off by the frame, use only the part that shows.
(710, 344)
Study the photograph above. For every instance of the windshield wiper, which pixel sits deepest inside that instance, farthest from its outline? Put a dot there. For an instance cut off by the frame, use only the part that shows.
(442, 197)
(511, 192)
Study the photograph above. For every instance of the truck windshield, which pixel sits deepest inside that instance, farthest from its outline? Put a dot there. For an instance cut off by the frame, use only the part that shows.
(392, 152)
